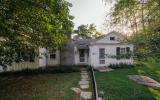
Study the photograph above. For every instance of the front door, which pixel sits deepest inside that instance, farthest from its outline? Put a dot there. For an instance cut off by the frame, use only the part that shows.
(82, 56)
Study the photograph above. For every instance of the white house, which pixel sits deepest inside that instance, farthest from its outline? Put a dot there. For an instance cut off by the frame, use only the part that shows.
(103, 51)
(98, 52)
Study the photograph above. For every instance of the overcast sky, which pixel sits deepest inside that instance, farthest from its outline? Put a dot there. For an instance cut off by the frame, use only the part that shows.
(89, 11)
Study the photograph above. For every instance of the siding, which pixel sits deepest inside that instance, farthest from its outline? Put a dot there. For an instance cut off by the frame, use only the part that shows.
(111, 50)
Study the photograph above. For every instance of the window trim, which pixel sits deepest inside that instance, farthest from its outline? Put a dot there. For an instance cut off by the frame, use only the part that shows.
(122, 52)
(53, 52)
(112, 38)
(101, 59)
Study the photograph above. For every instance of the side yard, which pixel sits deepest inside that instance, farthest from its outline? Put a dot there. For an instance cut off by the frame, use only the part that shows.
(44, 86)
(117, 86)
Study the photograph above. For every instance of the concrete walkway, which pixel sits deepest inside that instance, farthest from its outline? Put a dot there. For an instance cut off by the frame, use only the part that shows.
(84, 85)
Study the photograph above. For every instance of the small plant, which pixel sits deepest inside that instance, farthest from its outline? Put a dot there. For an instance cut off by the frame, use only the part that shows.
(121, 65)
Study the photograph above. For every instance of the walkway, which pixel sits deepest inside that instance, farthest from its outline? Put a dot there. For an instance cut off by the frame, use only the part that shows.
(84, 89)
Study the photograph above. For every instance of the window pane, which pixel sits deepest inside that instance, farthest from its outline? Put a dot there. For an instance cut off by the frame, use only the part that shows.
(53, 56)
(112, 38)
(102, 61)
(52, 53)
(81, 53)
(127, 49)
(82, 59)
(101, 53)
(122, 50)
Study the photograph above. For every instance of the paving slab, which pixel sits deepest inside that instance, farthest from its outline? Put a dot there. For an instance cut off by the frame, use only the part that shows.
(84, 76)
(83, 82)
(144, 80)
(83, 69)
(100, 98)
(86, 86)
(85, 79)
(86, 95)
(84, 73)
(77, 90)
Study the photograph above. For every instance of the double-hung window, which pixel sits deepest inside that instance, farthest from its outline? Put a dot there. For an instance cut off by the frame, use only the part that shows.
(102, 55)
(123, 53)
(52, 53)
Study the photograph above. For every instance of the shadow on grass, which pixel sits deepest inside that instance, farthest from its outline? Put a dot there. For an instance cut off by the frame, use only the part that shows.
(117, 86)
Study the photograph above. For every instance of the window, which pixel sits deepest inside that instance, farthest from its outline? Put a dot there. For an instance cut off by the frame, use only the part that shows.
(102, 55)
(123, 52)
(52, 53)
(102, 61)
(112, 38)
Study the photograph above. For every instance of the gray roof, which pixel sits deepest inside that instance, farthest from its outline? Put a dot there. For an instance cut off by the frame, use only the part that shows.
(82, 43)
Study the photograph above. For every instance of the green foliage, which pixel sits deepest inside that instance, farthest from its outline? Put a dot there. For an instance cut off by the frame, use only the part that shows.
(120, 56)
(142, 18)
(86, 31)
(27, 24)
(47, 70)
(121, 65)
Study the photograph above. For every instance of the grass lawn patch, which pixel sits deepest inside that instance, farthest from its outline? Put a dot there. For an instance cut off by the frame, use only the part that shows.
(117, 86)
(38, 86)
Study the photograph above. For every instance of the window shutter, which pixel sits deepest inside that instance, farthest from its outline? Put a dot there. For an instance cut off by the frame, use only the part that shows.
(118, 51)
(127, 50)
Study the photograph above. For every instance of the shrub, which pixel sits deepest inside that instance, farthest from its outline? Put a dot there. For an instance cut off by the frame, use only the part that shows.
(121, 65)
(47, 70)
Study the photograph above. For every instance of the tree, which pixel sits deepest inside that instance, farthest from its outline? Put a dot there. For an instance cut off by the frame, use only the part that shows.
(27, 24)
(86, 32)
(142, 17)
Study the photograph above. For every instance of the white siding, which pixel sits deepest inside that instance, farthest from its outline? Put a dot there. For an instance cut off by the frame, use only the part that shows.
(55, 61)
(109, 49)
(106, 39)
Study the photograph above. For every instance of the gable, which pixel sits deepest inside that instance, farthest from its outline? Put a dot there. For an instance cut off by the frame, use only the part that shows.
(112, 37)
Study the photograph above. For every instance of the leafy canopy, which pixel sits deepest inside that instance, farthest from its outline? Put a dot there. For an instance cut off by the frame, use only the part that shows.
(86, 32)
(142, 17)
(28, 24)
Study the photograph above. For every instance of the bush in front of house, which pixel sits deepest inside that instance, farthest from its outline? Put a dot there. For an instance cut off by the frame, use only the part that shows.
(47, 70)
(121, 65)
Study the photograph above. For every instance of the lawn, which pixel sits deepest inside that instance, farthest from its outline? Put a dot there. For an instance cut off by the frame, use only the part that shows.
(117, 86)
(38, 86)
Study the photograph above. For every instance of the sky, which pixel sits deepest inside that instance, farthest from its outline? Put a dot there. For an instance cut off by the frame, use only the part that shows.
(89, 11)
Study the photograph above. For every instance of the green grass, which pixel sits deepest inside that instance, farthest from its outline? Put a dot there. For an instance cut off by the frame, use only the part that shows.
(117, 86)
(38, 86)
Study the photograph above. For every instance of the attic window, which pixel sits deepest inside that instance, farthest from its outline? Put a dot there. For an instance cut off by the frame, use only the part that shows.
(112, 38)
